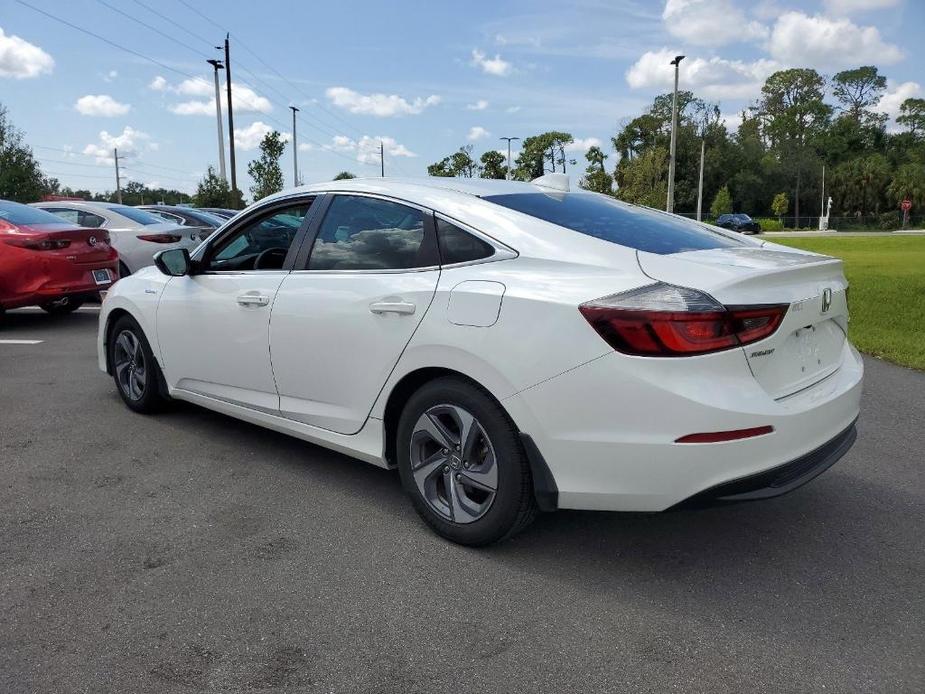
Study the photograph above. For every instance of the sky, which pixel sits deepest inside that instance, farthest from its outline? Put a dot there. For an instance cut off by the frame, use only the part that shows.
(423, 78)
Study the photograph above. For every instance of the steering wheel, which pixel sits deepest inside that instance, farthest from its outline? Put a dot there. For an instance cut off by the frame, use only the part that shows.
(277, 255)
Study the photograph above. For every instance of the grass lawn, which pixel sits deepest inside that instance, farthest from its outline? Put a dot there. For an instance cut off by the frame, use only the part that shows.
(887, 296)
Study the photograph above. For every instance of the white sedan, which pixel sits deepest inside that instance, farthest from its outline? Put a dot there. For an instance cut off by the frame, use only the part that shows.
(507, 346)
(137, 235)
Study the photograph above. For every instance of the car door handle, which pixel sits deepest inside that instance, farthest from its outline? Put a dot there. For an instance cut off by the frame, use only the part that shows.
(253, 300)
(403, 307)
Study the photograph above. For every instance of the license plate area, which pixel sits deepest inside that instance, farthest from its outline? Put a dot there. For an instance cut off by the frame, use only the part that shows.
(102, 277)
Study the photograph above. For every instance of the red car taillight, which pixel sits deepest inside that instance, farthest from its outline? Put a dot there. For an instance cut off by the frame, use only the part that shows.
(160, 238)
(661, 320)
(34, 242)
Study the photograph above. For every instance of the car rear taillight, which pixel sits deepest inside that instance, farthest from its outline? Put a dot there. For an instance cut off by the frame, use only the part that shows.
(34, 242)
(160, 238)
(661, 320)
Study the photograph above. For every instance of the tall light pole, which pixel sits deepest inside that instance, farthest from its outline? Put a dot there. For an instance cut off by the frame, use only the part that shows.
(508, 177)
(234, 175)
(295, 150)
(669, 207)
(703, 150)
(217, 65)
(381, 159)
(115, 156)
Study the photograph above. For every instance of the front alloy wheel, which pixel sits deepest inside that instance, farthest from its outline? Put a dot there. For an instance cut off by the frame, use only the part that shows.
(130, 365)
(453, 463)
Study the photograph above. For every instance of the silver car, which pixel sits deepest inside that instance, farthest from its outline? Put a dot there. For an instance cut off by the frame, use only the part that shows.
(137, 235)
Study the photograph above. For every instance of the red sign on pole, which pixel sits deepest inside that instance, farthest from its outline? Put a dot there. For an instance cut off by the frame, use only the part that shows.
(906, 205)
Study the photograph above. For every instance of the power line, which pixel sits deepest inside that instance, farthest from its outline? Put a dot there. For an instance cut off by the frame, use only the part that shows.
(104, 39)
(174, 24)
(152, 28)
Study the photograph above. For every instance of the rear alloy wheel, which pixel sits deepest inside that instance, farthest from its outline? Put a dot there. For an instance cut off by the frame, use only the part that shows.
(462, 463)
(134, 369)
(62, 306)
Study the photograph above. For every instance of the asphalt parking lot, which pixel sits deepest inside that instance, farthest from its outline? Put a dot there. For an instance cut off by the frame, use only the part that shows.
(193, 552)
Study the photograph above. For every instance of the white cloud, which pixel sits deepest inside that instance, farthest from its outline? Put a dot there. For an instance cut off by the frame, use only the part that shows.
(20, 59)
(249, 138)
(710, 22)
(246, 100)
(367, 148)
(490, 66)
(110, 76)
(849, 6)
(479, 105)
(713, 78)
(306, 147)
(100, 105)
(128, 143)
(380, 105)
(477, 132)
(895, 95)
(828, 44)
(583, 144)
(512, 109)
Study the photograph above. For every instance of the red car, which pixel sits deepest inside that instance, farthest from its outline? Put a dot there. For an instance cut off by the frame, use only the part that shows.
(47, 261)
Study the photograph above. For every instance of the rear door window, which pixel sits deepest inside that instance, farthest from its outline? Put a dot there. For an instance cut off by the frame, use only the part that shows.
(363, 233)
(608, 219)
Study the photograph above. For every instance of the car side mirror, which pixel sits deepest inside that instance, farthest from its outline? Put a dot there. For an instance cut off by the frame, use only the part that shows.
(174, 262)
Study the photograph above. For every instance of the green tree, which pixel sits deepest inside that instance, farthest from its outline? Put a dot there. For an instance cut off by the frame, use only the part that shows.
(266, 172)
(794, 116)
(644, 181)
(908, 184)
(780, 205)
(344, 175)
(212, 191)
(596, 177)
(21, 178)
(722, 203)
(537, 150)
(493, 165)
(462, 162)
(442, 168)
(858, 89)
(912, 115)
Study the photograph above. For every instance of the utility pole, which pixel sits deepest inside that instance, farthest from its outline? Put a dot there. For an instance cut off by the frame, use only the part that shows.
(381, 159)
(295, 150)
(703, 149)
(115, 154)
(823, 225)
(234, 177)
(217, 65)
(509, 172)
(669, 207)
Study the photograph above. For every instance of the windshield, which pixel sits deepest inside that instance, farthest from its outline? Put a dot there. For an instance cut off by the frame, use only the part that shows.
(136, 215)
(611, 220)
(743, 218)
(15, 213)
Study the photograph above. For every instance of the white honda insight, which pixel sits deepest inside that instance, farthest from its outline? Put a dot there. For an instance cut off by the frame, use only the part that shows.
(507, 346)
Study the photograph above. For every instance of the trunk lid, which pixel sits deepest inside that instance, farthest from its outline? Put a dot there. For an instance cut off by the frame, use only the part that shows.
(83, 245)
(807, 346)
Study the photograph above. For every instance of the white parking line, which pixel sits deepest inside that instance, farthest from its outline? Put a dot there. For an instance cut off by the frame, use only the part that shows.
(21, 342)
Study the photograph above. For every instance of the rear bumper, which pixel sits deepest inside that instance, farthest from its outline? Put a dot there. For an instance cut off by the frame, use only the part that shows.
(607, 430)
(778, 480)
(39, 283)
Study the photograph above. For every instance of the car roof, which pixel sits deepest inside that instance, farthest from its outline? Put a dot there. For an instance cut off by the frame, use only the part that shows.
(410, 187)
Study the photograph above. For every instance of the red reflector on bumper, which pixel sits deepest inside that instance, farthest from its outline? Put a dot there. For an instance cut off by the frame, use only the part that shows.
(718, 436)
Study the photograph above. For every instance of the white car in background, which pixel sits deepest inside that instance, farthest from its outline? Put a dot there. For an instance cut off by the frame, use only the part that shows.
(136, 235)
(507, 346)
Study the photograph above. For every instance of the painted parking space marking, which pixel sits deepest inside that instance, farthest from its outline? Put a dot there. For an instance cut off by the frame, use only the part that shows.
(21, 342)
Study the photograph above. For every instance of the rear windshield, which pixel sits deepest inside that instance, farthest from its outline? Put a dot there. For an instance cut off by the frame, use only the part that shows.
(15, 213)
(618, 222)
(140, 216)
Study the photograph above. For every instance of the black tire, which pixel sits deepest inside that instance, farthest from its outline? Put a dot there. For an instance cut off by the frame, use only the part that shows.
(513, 506)
(62, 306)
(148, 398)
(123, 270)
